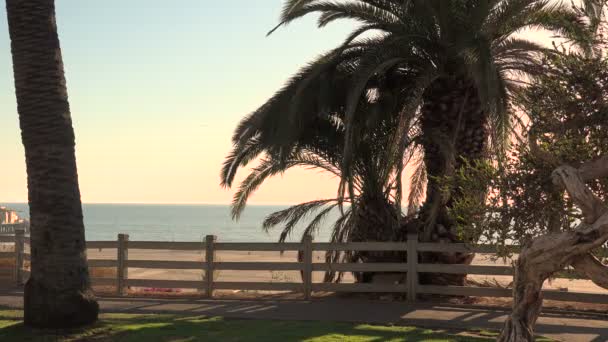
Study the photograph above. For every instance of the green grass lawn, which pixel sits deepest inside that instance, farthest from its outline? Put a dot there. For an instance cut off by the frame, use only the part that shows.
(151, 328)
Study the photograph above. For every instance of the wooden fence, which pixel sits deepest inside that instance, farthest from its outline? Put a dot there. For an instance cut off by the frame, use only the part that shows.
(12, 228)
(208, 284)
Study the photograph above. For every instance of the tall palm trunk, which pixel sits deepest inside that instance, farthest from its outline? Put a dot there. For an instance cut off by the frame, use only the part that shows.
(58, 293)
(453, 127)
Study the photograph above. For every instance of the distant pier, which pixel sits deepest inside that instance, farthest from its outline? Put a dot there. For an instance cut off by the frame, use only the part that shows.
(10, 222)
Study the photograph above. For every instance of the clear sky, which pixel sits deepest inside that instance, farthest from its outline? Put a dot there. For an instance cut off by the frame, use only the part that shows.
(156, 88)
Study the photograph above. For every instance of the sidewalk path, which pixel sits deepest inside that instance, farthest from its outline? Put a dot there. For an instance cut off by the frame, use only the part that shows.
(562, 327)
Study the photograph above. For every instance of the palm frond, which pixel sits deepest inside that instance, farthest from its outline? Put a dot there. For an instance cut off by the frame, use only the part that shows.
(500, 122)
(509, 16)
(333, 10)
(238, 157)
(267, 168)
(294, 214)
(417, 186)
(566, 23)
(313, 225)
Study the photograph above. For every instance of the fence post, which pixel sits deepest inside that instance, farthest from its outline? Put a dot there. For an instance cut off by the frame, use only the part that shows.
(122, 273)
(412, 265)
(19, 251)
(209, 259)
(307, 266)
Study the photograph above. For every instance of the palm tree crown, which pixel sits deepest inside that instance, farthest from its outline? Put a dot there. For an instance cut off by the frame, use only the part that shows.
(450, 63)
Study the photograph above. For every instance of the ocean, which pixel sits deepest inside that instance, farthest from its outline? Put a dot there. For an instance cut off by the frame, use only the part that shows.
(151, 222)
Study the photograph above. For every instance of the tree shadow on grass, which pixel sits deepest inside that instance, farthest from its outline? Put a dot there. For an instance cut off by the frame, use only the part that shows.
(152, 328)
(17, 331)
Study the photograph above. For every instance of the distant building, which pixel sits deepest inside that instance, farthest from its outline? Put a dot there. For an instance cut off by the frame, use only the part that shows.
(10, 221)
(8, 216)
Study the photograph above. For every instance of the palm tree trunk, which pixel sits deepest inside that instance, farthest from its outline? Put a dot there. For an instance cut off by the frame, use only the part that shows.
(453, 127)
(375, 220)
(58, 293)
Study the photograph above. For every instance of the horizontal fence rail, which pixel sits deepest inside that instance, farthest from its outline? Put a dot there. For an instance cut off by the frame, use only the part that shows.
(409, 269)
(360, 246)
(7, 238)
(465, 269)
(257, 247)
(12, 228)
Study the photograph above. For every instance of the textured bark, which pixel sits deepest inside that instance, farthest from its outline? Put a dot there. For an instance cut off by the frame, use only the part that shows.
(548, 254)
(376, 220)
(58, 293)
(453, 126)
(589, 266)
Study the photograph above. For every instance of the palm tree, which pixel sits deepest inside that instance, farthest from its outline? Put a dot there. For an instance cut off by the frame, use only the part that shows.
(58, 293)
(373, 213)
(460, 55)
(452, 63)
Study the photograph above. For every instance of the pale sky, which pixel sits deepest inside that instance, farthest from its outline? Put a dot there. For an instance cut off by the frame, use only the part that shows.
(156, 88)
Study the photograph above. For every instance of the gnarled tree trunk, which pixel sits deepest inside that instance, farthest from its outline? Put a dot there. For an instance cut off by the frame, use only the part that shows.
(58, 293)
(548, 254)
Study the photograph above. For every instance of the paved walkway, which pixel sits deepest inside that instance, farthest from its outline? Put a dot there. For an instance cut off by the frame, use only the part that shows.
(562, 327)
